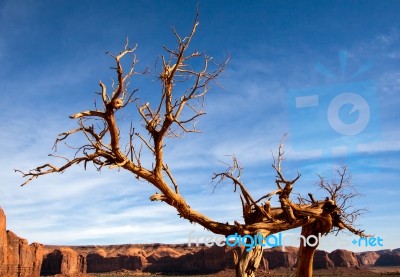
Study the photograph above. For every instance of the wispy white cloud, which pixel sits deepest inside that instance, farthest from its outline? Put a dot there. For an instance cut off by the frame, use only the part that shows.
(389, 82)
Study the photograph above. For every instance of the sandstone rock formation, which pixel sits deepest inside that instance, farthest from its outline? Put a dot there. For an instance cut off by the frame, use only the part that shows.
(322, 260)
(280, 258)
(100, 263)
(171, 258)
(343, 258)
(192, 260)
(17, 257)
(65, 261)
(157, 258)
(389, 259)
(3, 243)
(368, 258)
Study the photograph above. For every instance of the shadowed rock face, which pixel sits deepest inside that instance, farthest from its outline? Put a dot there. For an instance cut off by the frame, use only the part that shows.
(344, 258)
(99, 263)
(52, 263)
(322, 260)
(192, 260)
(17, 257)
(277, 258)
(65, 261)
(367, 258)
(158, 258)
(389, 259)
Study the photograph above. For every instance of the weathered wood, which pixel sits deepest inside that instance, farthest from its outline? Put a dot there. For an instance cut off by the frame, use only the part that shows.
(174, 114)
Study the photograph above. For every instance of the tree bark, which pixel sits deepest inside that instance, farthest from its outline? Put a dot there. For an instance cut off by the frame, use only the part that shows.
(248, 262)
(309, 245)
(306, 251)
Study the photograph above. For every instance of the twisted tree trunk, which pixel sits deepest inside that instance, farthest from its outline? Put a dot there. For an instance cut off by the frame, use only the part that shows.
(306, 251)
(309, 244)
(248, 262)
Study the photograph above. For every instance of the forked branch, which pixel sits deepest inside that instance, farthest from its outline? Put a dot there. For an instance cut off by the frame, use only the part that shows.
(185, 77)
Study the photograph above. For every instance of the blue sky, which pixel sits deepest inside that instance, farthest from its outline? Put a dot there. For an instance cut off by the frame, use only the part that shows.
(52, 57)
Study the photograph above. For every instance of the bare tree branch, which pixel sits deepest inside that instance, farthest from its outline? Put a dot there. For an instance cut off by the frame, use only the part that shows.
(185, 78)
(342, 192)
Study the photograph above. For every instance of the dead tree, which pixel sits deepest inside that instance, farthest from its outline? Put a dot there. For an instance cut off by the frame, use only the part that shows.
(340, 214)
(185, 78)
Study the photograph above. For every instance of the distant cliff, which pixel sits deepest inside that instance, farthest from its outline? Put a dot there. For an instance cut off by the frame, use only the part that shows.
(18, 258)
(179, 258)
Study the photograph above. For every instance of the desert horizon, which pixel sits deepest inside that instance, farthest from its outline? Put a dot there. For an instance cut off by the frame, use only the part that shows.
(173, 259)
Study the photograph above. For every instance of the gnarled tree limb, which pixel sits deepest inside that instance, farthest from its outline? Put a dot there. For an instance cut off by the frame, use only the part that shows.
(178, 109)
